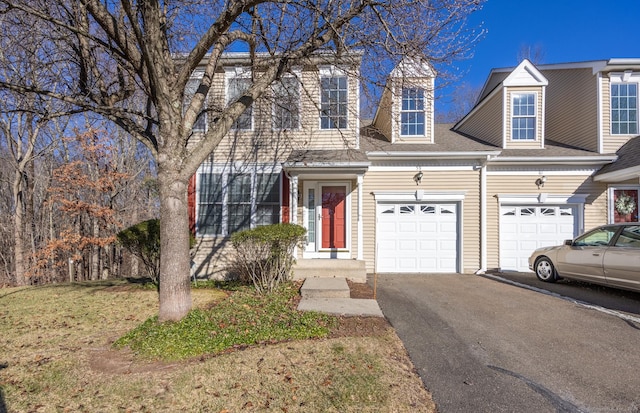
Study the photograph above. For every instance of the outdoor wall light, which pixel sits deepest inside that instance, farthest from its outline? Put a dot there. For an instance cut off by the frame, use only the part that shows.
(540, 181)
(418, 177)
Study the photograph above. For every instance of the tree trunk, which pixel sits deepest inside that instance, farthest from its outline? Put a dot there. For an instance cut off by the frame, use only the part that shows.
(95, 252)
(18, 229)
(175, 286)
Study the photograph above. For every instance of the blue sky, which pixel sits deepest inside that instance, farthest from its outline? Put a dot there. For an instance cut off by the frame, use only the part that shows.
(565, 30)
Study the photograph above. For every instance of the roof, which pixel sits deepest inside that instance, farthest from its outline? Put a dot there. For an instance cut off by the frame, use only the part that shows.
(446, 141)
(628, 164)
(317, 157)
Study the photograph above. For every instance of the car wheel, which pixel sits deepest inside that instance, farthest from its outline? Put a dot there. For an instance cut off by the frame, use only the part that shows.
(545, 270)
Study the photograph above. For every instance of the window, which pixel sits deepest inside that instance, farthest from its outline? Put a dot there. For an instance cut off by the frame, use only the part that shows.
(236, 87)
(412, 112)
(624, 108)
(629, 237)
(233, 202)
(596, 238)
(333, 102)
(286, 104)
(201, 121)
(523, 118)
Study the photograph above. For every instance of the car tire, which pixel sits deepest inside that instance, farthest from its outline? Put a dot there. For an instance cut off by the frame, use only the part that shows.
(545, 271)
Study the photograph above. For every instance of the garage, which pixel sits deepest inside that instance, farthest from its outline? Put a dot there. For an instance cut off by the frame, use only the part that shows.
(525, 228)
(417, 237)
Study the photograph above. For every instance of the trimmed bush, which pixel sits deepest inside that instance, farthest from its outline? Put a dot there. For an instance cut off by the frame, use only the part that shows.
(265, 254)
(143, 241)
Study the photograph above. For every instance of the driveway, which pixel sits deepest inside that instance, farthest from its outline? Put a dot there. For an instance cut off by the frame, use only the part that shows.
(486, 346)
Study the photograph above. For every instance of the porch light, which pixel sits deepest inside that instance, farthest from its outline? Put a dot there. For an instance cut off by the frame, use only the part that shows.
(540, 181)
(418, 177)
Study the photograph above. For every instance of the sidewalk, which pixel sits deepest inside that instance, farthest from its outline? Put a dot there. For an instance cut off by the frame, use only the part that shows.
(331, 295)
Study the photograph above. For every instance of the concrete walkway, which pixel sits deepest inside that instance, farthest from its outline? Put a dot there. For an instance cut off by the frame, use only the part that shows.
(331, 295)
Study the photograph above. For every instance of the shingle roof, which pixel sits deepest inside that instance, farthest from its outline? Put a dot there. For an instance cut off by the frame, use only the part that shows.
(446, 140)
(333, 156)
(628, 157)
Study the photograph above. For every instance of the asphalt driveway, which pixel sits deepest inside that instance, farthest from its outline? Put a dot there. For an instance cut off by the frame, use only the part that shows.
(485, 346)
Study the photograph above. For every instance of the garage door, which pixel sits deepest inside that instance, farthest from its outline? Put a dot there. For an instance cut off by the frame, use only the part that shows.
(525, 228)
(417, 237)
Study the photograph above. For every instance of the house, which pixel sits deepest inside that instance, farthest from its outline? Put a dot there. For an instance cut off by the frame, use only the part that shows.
(546, 152)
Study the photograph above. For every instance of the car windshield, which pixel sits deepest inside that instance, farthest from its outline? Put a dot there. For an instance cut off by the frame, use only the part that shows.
(629, 237)
(596, 238)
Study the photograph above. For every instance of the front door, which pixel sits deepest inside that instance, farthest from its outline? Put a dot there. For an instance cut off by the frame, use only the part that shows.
(333, 218)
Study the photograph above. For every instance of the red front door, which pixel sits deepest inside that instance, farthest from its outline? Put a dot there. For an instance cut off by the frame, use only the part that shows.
(333, 216)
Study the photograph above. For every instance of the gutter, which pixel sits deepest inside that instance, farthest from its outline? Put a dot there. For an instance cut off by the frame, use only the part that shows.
(441, 155)
(556, 159)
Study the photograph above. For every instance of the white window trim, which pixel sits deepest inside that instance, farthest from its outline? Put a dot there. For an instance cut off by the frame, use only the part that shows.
(297, 74)
(226, 170)
(237, 72)
(327, 72)
(319, 252)
(513, 94)
(610, 206)
(419, 196)
(627, 77)
(424, 111)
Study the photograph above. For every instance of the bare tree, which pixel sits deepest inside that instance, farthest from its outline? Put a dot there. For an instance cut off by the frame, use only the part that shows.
(462, 99)
(536, 53)
(121, 50)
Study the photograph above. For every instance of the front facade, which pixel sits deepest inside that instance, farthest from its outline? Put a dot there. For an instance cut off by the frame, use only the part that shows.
(546, 153)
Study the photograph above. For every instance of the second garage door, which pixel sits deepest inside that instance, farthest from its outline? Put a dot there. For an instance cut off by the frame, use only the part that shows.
(417, 237)
(525, 228)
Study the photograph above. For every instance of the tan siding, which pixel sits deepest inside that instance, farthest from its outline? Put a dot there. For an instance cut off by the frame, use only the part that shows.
(383, 116)
(437, 181)
(572, 103)
(486, 123)
(519, 144)
(595, 212)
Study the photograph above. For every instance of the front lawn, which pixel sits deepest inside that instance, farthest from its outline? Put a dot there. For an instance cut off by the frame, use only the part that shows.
(235, 352)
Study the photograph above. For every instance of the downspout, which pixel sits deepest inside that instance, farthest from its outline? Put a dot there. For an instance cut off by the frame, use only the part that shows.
(483, 217)
(360, 255)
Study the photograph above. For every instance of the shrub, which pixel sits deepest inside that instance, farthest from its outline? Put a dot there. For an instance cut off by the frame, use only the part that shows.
(143, 241)
(265, 254)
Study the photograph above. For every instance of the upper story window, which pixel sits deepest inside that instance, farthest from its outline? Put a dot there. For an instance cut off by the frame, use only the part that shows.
(236, 86)
(333, 102)
(201, 121)
(523, 116)
(624, 108)
(412, 113)
(286, 104)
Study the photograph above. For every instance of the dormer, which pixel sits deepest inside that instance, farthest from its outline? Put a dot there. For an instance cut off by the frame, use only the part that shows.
(511, 115)
(406, 113)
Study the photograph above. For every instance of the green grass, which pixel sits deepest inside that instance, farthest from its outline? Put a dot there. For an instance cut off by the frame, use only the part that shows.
(243, 319)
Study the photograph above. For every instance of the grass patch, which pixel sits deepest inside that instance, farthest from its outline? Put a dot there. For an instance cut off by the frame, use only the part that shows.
(242, 319)
(56, 356)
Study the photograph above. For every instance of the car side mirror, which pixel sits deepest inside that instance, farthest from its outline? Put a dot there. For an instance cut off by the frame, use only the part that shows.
(568, 242)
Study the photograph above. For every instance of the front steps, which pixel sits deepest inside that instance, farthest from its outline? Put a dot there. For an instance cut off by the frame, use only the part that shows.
(353, 270)
(331, 296)
(325, 288)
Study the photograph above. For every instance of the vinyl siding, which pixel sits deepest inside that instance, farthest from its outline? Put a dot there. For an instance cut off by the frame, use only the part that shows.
(572, 107)
(383, 115)
(486, 123)
(433, 181)
(595, 208)
(263, 143)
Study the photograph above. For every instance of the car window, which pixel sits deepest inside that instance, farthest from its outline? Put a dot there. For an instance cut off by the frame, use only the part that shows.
(629, 237)
(597, 237)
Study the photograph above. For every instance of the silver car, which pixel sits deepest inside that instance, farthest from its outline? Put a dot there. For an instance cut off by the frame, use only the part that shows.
(607, 255)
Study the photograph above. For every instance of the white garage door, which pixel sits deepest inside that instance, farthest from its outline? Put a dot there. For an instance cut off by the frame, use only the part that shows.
(417, 237)
(525, 228)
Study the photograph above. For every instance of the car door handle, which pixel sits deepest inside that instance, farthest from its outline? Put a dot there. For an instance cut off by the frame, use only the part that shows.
(595, 254)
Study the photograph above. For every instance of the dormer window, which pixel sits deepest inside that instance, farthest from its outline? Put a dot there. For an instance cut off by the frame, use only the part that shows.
(412, 112)
(624, 108)
(523, 117)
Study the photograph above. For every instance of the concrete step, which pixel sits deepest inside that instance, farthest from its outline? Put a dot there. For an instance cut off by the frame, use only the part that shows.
(316, 287)
(354, 270)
